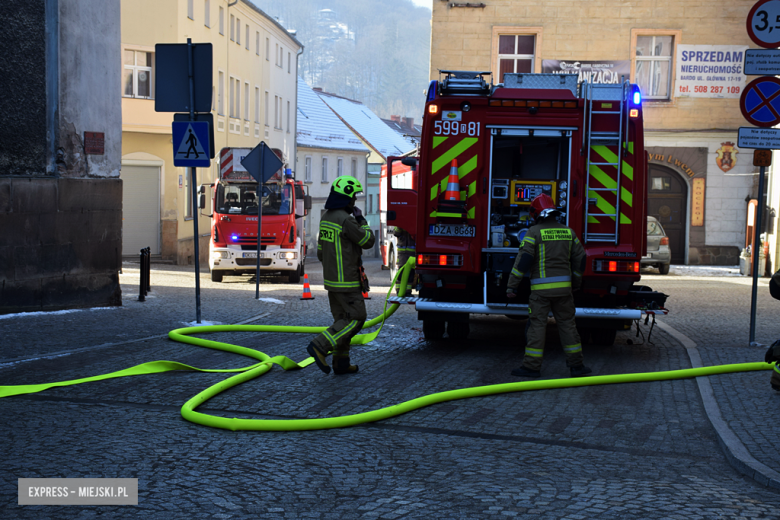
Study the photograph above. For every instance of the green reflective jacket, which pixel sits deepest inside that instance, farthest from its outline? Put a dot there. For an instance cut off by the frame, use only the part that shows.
(556, 255)
(339, 248)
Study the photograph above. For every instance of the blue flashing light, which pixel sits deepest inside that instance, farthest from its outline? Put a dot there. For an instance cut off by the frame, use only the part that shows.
(432, 87)
(234, 238)
(637, 97)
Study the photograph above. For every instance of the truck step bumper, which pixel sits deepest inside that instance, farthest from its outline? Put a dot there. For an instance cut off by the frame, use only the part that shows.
(514, 309)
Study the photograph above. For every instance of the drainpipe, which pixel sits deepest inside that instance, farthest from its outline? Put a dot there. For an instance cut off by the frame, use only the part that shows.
(52, 46)
(295, 134)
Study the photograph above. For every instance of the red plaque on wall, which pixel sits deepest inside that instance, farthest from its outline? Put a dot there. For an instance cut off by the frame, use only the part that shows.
(94, 143)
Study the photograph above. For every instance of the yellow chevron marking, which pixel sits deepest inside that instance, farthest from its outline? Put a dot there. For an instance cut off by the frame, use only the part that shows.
(452, 153)
(626, 196)
(438, 139)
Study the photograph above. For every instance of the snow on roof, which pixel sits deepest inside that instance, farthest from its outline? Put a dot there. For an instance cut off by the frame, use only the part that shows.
(319, 127)
(368, 126)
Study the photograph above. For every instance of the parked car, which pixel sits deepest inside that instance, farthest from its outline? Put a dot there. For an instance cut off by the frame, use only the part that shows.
(658, 253)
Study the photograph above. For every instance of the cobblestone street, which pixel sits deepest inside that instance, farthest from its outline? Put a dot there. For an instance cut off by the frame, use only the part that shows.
(665, 449)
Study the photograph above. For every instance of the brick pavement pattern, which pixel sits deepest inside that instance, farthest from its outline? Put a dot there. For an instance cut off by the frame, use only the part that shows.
(643, 450)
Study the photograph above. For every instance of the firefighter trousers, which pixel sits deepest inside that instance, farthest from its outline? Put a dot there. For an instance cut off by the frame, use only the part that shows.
(563, 310)
(349, 315)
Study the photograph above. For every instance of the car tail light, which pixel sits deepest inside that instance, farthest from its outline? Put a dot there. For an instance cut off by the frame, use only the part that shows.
(665, 241)
(440, 260)
(615, 266)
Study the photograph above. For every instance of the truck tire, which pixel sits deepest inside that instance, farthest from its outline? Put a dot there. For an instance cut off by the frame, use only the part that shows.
(295, 276)
(216, 276)
(433, 330)
(603, 337)
(663, 268)
(458, 329)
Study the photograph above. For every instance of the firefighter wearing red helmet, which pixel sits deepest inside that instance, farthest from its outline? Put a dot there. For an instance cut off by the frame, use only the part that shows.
(555, 259)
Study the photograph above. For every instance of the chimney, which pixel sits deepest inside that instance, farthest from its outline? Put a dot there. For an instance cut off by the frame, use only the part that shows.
(397, 119)
(410, 122)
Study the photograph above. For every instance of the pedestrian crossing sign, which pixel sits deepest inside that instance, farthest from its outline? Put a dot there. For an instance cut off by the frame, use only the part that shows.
(191, 144)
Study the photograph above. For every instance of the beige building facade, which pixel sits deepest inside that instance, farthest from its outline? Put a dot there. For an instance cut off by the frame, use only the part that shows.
(255, 63)
(686, 57)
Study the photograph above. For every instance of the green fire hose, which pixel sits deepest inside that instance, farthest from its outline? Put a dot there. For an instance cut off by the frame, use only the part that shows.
(265, 363)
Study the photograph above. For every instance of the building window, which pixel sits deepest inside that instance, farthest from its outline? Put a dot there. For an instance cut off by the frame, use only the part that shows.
(653, 72)
(257, 43)
(515, 54)
(339, 167)
(238, 31)
(221, 21)
(221, 94)
(281, 57)
(246, 42)
(237, 113)
(276, 55)
(370, 204)
(324, 169)
(266, 108)
(354, 168)
(288, 117)
(307, 169)
(267, 49)
(232, 28)
(257, 105)
(289, 62)
(138, 74)
(276, 111)
(246, 101)
(207, 13)
(191, 9)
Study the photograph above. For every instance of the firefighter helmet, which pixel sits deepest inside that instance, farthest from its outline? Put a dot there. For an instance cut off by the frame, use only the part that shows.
(542, 206)
(347, 185)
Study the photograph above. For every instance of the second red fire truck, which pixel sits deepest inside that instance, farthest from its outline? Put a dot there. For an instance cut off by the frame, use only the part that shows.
(486, 152)
(236, 202)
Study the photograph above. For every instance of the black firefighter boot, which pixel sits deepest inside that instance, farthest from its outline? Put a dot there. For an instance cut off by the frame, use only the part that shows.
(341, 366)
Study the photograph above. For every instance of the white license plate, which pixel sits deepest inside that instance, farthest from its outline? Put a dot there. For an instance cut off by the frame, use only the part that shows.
(451, 230)
(252, 255)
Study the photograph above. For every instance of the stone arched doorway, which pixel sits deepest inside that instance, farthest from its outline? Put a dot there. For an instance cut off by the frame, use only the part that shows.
(667, 197)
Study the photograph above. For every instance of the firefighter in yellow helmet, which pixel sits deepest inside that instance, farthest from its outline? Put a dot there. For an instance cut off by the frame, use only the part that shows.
(555, 258)
(773, 354)
(344, 233)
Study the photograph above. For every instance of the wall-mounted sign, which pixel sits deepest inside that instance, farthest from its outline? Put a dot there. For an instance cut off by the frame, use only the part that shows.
(726, 156)
(713, 71)
(602, 72)
(697, 202)
(94, 143)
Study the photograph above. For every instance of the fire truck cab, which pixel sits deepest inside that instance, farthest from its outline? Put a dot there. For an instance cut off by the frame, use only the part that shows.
(486, 152)
(236, 201)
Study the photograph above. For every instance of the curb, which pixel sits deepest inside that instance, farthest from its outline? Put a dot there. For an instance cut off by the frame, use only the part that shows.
(736, 453)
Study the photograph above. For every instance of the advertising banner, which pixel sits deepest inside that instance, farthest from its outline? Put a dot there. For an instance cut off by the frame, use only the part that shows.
(712, 71)
(603, 72)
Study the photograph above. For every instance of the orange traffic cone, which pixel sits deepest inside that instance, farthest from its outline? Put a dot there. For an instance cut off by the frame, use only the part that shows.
(453, 184)
(306, 290)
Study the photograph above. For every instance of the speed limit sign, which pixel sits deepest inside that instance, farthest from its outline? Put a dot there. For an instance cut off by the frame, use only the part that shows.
(763, 23)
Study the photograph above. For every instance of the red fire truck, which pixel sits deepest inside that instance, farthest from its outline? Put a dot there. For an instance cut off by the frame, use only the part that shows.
(505, 144)
(234, 203)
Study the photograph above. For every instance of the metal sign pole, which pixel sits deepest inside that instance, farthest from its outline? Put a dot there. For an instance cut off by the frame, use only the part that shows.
(193, 176)
(259, 223)
(756, 254)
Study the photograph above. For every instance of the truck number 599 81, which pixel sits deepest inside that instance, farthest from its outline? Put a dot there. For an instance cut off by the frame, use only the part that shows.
(455, 128)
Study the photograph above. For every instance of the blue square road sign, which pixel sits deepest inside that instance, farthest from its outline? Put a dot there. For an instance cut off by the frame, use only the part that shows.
(191, 144)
